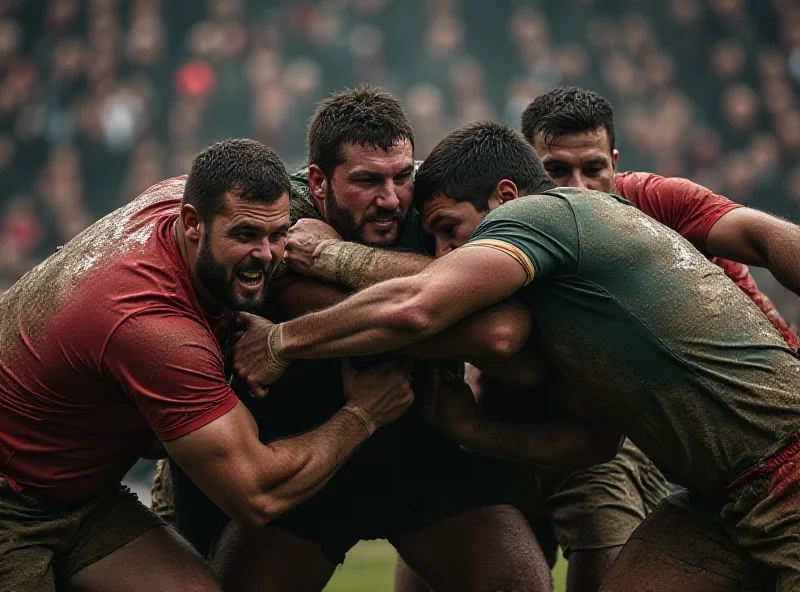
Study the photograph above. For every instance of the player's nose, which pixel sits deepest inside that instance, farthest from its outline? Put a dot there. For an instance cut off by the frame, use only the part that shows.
(577, 181)
(263, 253)
(443, 247)
(388, 199)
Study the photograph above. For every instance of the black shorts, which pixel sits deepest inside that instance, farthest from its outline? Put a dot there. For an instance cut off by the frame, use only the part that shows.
(407, 477)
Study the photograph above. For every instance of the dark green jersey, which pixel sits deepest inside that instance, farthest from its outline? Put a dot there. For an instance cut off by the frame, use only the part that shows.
(665, 347)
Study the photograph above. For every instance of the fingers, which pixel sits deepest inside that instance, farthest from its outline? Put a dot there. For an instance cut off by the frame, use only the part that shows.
(244, 320)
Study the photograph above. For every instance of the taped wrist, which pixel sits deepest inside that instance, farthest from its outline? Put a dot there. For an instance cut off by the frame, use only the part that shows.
(363, 415)
(275, 346)
(326, 259)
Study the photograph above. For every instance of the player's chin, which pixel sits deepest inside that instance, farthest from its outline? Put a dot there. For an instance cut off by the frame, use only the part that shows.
(384, 236)
(250, 301)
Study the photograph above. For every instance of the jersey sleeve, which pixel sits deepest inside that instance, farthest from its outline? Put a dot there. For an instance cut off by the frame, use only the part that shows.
(539, 231)
(171, 367)
(686, 207)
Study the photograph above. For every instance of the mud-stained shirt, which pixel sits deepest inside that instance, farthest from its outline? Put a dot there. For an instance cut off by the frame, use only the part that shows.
(665, 347)
(691, 210)
(103, 348)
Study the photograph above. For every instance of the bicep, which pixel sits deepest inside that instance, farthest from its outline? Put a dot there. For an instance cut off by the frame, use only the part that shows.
(743, 235)
(469, 279)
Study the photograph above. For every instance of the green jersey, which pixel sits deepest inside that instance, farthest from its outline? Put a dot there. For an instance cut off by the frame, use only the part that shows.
(663, 345)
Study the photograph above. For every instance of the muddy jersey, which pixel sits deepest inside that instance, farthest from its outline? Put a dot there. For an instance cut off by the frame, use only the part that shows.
(104, 347)
(691, 210)
(666, 348)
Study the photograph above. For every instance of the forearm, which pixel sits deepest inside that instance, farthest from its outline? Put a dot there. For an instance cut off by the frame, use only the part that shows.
(558, 444)
(359, 266)
(298, 467)
(397, 312)
(370, 322)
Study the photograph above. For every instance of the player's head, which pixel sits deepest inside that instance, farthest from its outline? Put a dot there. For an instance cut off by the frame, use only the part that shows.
(472, 171)
(572, 131)
(234, 216)
(361, 164)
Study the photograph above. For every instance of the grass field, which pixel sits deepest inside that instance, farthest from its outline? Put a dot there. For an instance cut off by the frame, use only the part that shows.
(370, 567)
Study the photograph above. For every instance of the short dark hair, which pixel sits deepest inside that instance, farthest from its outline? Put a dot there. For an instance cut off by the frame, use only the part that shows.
(364, 116)
(246, 168)
(567, 111)
(469, 163)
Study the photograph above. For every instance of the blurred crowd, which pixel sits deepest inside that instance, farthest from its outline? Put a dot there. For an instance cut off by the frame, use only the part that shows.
(101, 98)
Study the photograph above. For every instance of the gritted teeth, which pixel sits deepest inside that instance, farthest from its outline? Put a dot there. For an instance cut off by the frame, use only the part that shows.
(251, 277)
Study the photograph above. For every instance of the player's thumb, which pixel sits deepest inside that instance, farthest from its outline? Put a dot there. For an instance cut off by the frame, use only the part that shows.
(244, 320)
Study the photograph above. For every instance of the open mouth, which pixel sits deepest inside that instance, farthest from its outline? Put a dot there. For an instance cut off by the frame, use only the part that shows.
(250, 279)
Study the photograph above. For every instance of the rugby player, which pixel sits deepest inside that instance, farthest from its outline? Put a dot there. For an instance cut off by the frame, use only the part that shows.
(572, 131)
(654, 340)
(111, 344)
(446, 511)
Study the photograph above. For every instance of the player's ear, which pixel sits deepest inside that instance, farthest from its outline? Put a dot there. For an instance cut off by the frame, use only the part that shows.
(504, 191)
(317, 184)
(614, 160)
(191, 222)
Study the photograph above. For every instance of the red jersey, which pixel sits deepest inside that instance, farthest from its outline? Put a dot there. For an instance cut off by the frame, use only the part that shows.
(103, 348)
(691, 210)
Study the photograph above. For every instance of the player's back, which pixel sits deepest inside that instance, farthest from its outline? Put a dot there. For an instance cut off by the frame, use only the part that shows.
(59, 405)
(668, 348)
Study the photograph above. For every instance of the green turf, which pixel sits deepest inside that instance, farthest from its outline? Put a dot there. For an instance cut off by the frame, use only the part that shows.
(370, 566)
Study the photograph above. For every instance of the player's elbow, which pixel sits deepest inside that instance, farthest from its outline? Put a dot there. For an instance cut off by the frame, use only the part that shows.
(261, 509)
(416, 319)
(506, 334)
(415, 311)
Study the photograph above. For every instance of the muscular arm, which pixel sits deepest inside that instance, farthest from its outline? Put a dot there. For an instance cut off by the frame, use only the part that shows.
(540, 432)
(402, 311)
(755, 238)
(487, 337)
(254, 482)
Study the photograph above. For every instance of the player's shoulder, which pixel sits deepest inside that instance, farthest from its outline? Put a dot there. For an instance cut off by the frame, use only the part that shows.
(532, 208)
(656, 187)
(167, 189)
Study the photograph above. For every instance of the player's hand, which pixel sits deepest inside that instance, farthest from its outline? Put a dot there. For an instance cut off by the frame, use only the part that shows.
(383, 391)
(305, 242)
(455, 411)
(256, 353)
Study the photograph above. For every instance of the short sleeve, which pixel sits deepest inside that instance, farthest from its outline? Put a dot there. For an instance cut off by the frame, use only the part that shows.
(171, 367)
(686, 207)
(539, 231)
